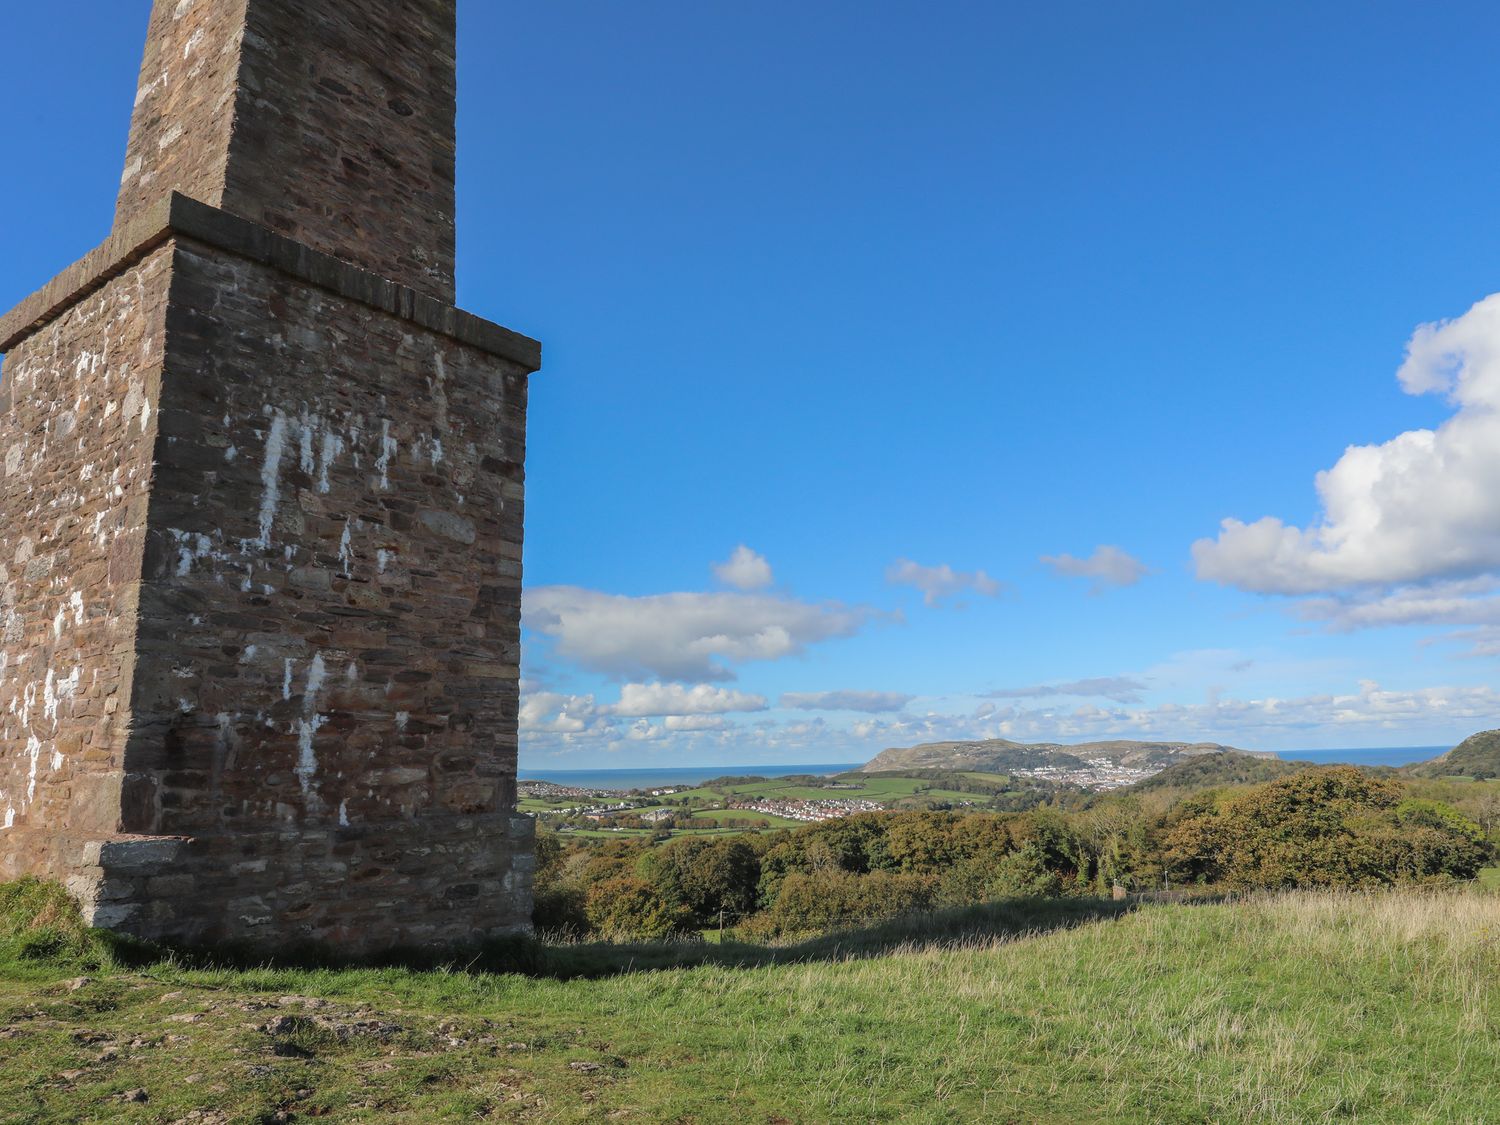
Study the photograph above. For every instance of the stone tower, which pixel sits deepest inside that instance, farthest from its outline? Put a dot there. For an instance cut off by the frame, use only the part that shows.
(261, 509)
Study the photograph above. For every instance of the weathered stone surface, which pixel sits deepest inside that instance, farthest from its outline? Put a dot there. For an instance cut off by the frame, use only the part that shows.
(330, 121)
(74, 526)
(261, 521)
(178, 215)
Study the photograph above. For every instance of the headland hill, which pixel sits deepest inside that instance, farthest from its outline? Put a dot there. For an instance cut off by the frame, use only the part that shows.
(982, 775)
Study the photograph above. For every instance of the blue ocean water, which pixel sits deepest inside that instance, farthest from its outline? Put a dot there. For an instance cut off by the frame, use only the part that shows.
(651, 777)
(1382, 756)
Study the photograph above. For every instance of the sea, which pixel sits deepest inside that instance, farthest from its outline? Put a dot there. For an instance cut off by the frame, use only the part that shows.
(1383, 756)
(655, 777)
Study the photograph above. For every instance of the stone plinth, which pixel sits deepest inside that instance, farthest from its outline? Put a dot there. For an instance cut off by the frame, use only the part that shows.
(260, 576)
(261, 509)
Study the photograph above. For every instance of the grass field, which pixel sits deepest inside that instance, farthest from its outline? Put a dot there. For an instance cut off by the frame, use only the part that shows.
(1282, 1009)
(770, 820)
(871, 789)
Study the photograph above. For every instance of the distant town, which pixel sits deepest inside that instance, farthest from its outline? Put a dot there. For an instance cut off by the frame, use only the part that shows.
(751, 802)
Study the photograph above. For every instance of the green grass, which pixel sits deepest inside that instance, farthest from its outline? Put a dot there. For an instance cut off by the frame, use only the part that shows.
(1490, 878)
(549, 804)
(1280, 1009)
(770, 820)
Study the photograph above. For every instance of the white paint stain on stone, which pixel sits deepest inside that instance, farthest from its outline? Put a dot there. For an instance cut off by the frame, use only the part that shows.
(317, 672)
(346, 548)
(270, 477)
(402, 718)
(389, 447)
(344, 814)
(333, 446)
(56, 690)
(307, 730)
(286, 681)
(305, 431)
(33, 751)
(307, 759)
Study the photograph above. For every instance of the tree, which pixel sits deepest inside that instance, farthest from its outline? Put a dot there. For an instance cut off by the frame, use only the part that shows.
(627, 908)
(706, 875)
(1335, 826)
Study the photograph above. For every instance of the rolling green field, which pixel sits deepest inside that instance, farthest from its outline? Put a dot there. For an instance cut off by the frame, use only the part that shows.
(1292, 1008)
(705, 802)
(863, 789)
(770, 820)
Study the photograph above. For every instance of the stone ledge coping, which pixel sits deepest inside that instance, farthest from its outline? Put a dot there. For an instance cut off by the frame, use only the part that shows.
(177, 215)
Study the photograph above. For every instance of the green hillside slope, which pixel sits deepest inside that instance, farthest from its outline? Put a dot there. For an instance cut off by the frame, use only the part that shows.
(1476, 756)
(1001, 755)
(1281, 1009)
(1211, 771)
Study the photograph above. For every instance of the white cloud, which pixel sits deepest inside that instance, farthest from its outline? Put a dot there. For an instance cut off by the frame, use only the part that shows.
(1121, 689)
(695, 722)
(1423, 506)
(681, 636)
(1468, 601)
(639, 700)
(1107, 566)
(1369, 712)
(744, 570)
(871, 702)
(1366, 715)
(938, 582)
(551, 712)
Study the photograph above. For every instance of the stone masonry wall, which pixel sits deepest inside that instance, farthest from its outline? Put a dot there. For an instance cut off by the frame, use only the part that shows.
(330, 121)
(327, 681)
(78, 414)
(184, 105)
(357, 101)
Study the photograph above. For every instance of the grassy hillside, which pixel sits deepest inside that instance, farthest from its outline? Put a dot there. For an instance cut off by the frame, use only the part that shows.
(1476, 756)
(1281, 1009)
(1211, 771)
(1002, 755)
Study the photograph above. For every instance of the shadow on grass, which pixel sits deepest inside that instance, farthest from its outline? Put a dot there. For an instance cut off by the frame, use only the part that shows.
(961, 927)
(77, 947)
(40, 927)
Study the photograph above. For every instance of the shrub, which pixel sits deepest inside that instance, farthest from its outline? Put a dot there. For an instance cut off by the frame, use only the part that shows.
(828, 900)
(627, 908)
(1330, 827)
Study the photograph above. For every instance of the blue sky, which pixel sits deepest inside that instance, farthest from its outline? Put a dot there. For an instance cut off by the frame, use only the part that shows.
(948, 331)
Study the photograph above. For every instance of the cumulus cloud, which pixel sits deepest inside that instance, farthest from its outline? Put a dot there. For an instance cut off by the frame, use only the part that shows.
(695, 722)
(1121, 689)
(1423, 506)
(1368, 712)
(870, 702)
(640, 700)
(1469, 601)
(744, 570)
(692, 637)
(938, 582)
(1107, 566)
(555, 713)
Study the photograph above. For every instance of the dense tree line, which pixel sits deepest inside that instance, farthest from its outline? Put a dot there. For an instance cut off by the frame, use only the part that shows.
(1333, 826)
